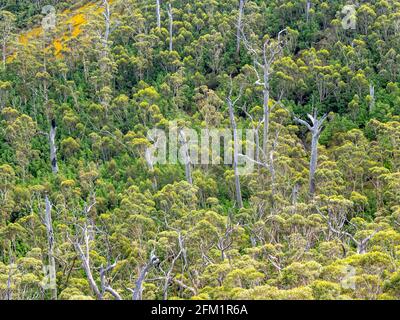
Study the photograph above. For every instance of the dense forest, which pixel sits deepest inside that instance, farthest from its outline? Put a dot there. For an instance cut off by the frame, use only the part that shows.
(87, 213)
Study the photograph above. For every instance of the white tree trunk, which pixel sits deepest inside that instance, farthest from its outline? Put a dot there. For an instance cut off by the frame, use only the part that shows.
(53, 147)
(315, 130)
(104, 283)
(4, 53)
(137, 292)
(171, 25)
(186, 157)
(372, 95)
(239, 25)
(50, 240)
(85, 259)
(239, 199)
(158, 11)
(266, 115)
(313, 160)
(107, 18)
(308, 8)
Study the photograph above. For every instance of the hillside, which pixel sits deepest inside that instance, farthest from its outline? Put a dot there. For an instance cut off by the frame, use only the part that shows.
(233, 149)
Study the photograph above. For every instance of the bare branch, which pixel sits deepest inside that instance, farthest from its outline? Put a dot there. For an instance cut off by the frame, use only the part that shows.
(137, 292)
(302, 122)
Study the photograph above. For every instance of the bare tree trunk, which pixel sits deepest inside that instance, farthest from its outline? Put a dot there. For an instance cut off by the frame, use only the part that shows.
(270, 51)
(361, 244)
(137, 292)
(295, 193)
(272, 167)
(168, 277)
(313, 160)
(315, 130)
(84, 256)
(92, 282)
(372, 95)
(107, 18)
(239, 199)
(257, 141)
(266, 114)
(186, 155)
(4, 54)
(150, 164)
(53, 147)
(9, 295)
(85, 259)
(308, 8)
(48, 222)
(158, 14)
(9, 292)
(184, 286)
(53, 125)
(239, 25)
(104, 284)
(171, 25)
(114, 293)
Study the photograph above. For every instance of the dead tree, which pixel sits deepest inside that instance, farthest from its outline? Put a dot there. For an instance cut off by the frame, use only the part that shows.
(158, 12)
(182, 253)
(315, 129)
(137, 292)
(105, 285)
(256, 125)
(12, 266)
(84, 256)
(308, 8)
(53, 147)
(271, 50)
(372, 97)
(239, 25)
(83, 251)
(225, 241)
(231, 105)
(107, 19)
(48, 222)
(361, 244)
(81, 243)
(181, 284)
(171, 26)
(186, 156)
(295, 194)
(271, 166)
(53, 125)
(150, 163)
(168, 274)
(8, 26)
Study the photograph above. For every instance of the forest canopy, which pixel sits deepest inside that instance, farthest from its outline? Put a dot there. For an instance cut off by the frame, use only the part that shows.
(87, 88)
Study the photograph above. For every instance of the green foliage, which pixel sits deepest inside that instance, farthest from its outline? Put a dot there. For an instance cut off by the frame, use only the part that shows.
(109, 203)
